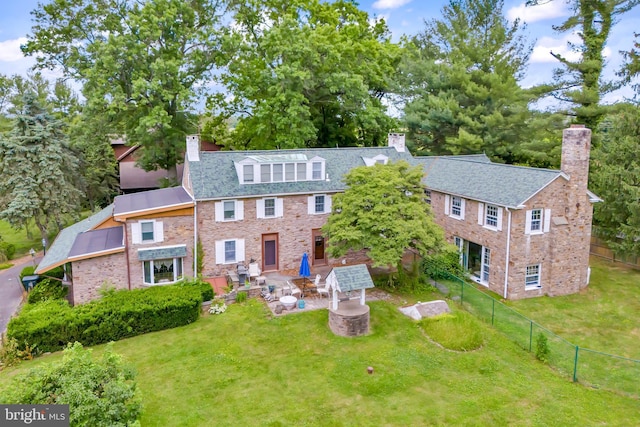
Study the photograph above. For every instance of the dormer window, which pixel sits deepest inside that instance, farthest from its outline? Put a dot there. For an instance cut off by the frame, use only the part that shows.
(380, 159)
(290, 172)
(316, 171)
(302, 171)
(277, 172)
(248, 173)
(265, 173)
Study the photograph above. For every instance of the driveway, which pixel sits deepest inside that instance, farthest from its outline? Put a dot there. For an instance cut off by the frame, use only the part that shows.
(11, 288)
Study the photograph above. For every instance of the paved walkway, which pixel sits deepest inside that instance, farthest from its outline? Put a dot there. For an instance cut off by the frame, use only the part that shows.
(11, 289)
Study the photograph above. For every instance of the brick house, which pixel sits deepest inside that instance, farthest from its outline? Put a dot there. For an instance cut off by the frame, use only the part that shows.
(521, 231)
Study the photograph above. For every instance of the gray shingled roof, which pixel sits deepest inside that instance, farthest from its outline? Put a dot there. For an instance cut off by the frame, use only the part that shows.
(94, 241)
(150, 200)
(59, 250)
(495, 183)
(353, 278)
(214, 176)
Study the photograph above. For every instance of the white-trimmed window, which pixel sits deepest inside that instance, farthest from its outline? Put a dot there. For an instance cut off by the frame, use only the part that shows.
(265, 173)
(532, 277)
(229, 210)
(454, 206)
(278, 172)
(290, 172)
(486, 262)
(316, 170)
(247, 171)
(427, 196)
(301, 172)
(162, 271)
(147, 231)
(490, 216)
(537, 221)
(270, 207)
(319, 204)
(229, 251)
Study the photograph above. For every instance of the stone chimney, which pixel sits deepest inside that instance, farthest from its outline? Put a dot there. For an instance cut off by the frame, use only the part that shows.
(396, 140)
(576, 145)
(193, 148)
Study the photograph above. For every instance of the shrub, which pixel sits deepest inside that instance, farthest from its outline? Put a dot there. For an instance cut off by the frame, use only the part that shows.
(203, 287)
(542, 348)
(57, 272)
(7, 249)
(99, 393)
(241, 297)
(27, 271)
(47, 289)
(10, 353)
(51, 324)
(444, 264)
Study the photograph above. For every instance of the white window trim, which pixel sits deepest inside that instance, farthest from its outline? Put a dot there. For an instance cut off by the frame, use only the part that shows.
(483, 210)
(261, 209)
(545, 221)
(136, 232)
(253, 177)
(536, 286)
(485, 266)
(175, 280)
(220, 251)
(238, 213)
(311, 204)
(448, 207)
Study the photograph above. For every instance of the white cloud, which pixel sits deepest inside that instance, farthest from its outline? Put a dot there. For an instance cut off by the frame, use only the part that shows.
(541, 52)
(529, 14)
(389, 4)
(10, 50)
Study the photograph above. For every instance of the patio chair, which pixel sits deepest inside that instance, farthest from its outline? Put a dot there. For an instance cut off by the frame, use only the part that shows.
(295, 291)
(254, 270)
(321, 289)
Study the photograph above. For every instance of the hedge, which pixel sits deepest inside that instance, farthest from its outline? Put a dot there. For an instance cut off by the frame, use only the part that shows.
(51, 324)
(47, 289)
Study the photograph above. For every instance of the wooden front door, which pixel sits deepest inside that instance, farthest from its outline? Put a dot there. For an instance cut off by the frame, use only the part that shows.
(319, 254)
(269, 252)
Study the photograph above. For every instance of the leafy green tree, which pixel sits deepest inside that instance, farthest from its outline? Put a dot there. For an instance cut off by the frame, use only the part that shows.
(580, 82)
(615, 177)
(38, 171)
(100, 393)
(383, 211)
(141, 64)
(460, 82)
(305, 73)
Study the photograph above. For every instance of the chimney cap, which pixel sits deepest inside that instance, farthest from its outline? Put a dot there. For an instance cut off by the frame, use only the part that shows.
(577, 126)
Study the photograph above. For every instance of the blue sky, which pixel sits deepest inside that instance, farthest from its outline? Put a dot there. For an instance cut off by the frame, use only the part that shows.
(402, 17)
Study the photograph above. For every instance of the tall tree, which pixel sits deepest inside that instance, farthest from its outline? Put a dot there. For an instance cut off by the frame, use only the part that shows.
(305, 73)
(141, 63)
(615, 177)
(38, 171)
(460, 82)
(580, 82)
(383, 211)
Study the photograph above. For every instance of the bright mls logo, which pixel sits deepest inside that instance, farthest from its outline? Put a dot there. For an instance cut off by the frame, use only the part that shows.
(34, 415)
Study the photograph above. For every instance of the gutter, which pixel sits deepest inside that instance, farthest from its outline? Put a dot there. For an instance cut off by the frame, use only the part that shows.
(506, 263)
(126, 250)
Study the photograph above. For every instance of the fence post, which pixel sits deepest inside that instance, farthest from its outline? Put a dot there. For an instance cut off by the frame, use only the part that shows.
(493, 309)
(575, 366)
(530, 334)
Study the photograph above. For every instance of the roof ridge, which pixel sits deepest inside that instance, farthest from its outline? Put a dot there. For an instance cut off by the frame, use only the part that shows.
(293, 149)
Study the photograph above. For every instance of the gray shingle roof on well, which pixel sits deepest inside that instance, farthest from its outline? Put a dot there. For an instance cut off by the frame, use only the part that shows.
(150, 200)
(100, 240)
(59, 250)
(496, 183)
(353, 277)
(214, 176)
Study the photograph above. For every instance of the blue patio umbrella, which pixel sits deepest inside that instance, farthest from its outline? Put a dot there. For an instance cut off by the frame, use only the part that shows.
(305, 271)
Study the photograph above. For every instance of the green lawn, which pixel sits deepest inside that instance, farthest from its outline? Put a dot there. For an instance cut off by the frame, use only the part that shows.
(602, 317)
(246, 367)
(20, 239)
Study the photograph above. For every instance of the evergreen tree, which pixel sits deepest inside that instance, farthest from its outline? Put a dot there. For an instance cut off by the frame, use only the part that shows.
(38, 171)
(461, 82)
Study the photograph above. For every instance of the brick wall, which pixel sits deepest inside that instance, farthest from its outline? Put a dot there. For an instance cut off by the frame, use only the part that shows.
(90, 275)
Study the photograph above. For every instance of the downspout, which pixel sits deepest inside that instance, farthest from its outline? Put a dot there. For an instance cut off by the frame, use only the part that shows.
(506, 263)
(126, 253)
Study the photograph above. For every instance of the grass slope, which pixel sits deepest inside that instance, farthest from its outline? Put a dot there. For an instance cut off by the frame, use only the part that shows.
(246, 367)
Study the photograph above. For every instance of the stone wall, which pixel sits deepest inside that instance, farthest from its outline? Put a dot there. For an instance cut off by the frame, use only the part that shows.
(177, 230)
(294, 231)
(90, 275)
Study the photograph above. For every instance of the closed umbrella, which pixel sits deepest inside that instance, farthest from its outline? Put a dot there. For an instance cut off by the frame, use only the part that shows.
(305, 271)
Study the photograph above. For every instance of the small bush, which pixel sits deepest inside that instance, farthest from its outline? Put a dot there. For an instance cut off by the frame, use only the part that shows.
(542, 348)
(99, 393)
(47, 289)
(444, 264)
(10, 353)
(241, 297)
(57, 272)
(27, 271)
(51, 324)
(456, 331)
(8, 250)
